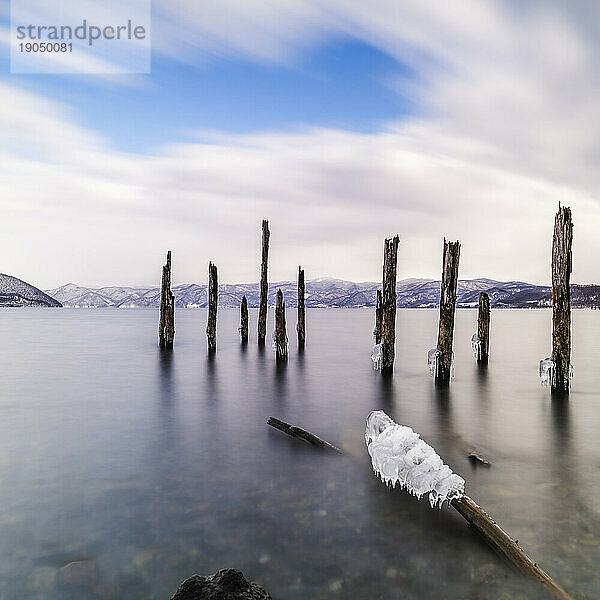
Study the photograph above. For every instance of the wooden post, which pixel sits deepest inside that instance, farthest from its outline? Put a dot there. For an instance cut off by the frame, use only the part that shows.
(447, 309)
(483, 328)
(166, 323)
(378, 318)
(281, 339)
(301, 326)
(211, 325)
(244, 320)
(264, 284)
(561, 299)
(388, 306)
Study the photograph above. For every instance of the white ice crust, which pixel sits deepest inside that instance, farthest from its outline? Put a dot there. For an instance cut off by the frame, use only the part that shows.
(400, 456)
(477, 346)
(376, 357)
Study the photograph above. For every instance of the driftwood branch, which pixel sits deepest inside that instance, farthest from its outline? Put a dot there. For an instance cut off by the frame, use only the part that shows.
(502, 542)
(301, 434)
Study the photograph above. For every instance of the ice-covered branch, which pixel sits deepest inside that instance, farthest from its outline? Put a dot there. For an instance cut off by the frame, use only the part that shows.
(400, 456)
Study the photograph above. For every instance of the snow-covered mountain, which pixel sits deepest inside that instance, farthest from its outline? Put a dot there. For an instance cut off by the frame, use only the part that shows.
(16, 292)
(325, 292)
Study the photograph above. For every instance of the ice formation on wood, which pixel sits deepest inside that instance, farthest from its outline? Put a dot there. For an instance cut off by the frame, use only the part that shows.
(433, 361)
(400, 456)
(376, 357)
(548, 371)
(477, 346)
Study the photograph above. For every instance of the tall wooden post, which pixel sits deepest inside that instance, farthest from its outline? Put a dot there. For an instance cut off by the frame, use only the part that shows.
(388, 320)
(561, 299)
(166, 323)
(483, 328)
(244, 320)
(447, 309)
(378, 317)
(301, 326)
(213, 290)
(264, 284)
(281, 339)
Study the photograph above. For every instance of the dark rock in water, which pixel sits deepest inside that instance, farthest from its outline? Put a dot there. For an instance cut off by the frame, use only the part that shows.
(226, 584)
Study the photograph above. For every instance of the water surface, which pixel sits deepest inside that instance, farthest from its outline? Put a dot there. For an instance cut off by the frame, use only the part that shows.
(151, 466)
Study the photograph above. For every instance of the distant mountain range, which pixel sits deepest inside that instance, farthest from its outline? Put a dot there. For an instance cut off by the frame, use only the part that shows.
(15, 292)
(326, 293)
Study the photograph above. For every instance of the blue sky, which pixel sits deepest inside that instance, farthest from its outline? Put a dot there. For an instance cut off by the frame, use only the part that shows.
(340, 122)
(343, 83)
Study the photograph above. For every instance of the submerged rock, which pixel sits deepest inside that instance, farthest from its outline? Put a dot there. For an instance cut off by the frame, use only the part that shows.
(226, 584)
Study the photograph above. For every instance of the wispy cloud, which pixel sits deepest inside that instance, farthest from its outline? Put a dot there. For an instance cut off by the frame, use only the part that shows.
(508, 126)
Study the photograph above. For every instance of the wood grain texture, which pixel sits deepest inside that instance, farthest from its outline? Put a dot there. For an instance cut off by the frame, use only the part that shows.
(388, 319)
(498, 539)
(281, 339)
(447, 309)
(244, 320)
(561, 299)
(483, 328)
(264, 284)
(213, 290)
(301, 325)
(166, 322)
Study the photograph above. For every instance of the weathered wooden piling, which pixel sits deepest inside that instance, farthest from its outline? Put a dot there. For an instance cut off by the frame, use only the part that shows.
(166, 323)
(388, 305)
(301, 325)
(378, 317)
(264, 284)
(281, 339)
(244, 320)
(213, 290)
(561, 299)
(447, 308)
(483, 328)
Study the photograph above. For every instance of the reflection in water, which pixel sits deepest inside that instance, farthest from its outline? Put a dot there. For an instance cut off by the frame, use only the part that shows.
(387, 393)
(161, 466)
(442, 401)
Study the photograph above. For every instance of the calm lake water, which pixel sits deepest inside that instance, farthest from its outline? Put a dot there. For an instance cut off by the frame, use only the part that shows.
(154, 466)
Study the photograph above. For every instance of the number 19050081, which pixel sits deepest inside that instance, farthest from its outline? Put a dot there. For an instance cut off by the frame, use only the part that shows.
(45, 47)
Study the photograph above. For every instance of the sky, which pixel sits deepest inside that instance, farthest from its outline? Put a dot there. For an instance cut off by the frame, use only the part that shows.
(340, 121)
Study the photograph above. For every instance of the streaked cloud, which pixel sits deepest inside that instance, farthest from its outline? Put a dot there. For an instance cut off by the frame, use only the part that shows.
(507, 128)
